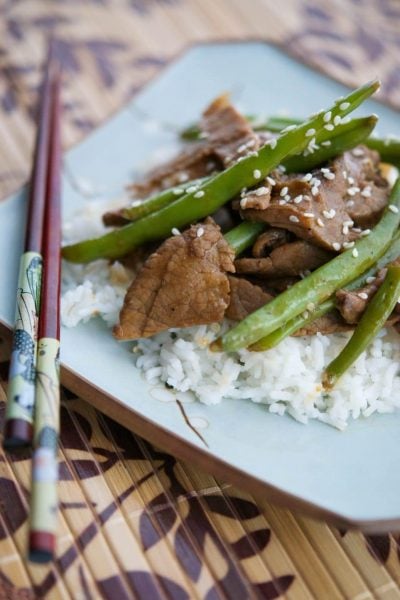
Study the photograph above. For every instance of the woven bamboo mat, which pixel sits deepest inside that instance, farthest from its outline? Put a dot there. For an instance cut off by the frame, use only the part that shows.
(135, 522)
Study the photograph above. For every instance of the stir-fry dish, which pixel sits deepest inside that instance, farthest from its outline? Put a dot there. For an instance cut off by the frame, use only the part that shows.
(277, 228)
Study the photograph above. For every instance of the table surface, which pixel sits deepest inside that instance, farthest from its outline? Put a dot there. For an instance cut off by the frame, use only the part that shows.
(134, 521)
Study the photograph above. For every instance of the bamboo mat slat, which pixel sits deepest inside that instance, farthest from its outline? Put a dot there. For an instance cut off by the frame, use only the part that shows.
(134, 521)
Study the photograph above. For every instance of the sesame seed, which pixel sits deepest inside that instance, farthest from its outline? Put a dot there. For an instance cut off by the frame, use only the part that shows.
(256, 173)
(350, 203)
(294, 219)
(344, 105)
(261, 191)
(393, 208)
(365, 232)
(349, 223)
(273, 143)
(242, 148)
(298, 199)
(251, 153)
(363, 296)
(177, 191)
(329, 127)
(350, 180)
(327, 116)
(287, 198)
(251, 143)
(357, 152)
(309, 215)
(356, 230)
(366, 192)
(282, 202)
(320, 222)
(310, 132)
(175, 231)
(345, 230)
(330, 176)
(344, 174)
(191, 188)
(348, 245)
(136, 203)
(337, 120)
(336, 246)
(370, 279)
(243, 203)
(329, 214)
(200, 232)
(307, 177)
(271, 181)
(288, 128)
(352, 191)
(183, 177)
(281, 168)
(354, 252)
(345, 120)
(311, 306)
(305, 314)
(314, 190)
(326, 143)
(284, 191)
(199, 194)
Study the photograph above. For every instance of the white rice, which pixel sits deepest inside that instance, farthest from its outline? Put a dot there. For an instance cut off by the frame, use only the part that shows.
(286, 379)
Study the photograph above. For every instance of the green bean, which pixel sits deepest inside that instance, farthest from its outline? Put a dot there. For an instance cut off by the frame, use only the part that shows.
(388, 148)
(318, 286)
(141, 208)
(372, 321)
(244, 235)
(346, 136)
(303, 319)
(214, 192)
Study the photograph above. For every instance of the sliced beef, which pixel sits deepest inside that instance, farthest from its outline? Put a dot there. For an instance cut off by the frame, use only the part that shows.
(287, 260)
(245, 298)
(314, 213)
(352, 303)
(268, 240)
(183, 283)
(367, 191)
(332, 322)
(198, 160)
(227, 131)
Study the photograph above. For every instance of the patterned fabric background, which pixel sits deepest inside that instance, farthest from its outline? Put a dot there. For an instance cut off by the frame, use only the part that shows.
(112, 47)
(135, 522)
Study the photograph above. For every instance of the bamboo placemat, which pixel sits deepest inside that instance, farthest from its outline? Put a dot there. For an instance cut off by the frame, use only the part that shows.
(135, 522)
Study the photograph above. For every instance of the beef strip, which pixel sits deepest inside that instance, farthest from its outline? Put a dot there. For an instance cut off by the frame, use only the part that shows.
(352, 303)
(319, 216)
(324, 210)
(245, 298)
(183, 283)
(332, 322)
(287, 260)
(268, 240)
(367, 190)
(227, 131)
(226, 136)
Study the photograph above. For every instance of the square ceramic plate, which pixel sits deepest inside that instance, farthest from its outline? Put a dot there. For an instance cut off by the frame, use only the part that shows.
(350, 477)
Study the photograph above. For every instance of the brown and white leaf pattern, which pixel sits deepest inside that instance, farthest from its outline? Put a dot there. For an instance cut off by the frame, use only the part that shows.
(211, 535)
(111, 48)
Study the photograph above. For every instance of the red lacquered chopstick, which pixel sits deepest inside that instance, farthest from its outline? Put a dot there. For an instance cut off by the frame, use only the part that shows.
(44, 499)
(21, 385)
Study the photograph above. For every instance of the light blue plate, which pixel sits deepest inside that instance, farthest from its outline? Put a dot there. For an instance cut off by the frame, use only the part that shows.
(349, 478)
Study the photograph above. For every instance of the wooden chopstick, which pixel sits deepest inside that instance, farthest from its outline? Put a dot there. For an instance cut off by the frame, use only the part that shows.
(44, 498)
(21, 385)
